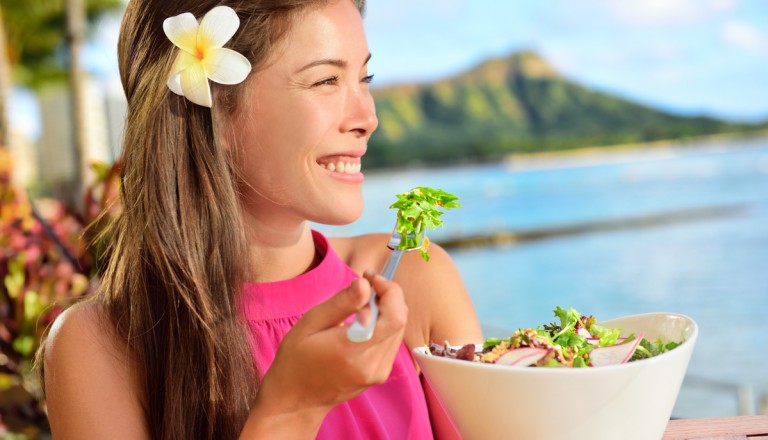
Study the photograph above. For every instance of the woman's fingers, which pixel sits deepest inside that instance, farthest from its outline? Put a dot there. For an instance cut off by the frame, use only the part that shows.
(319, 367)
(393, 312)
(336, 309)
(389, 330)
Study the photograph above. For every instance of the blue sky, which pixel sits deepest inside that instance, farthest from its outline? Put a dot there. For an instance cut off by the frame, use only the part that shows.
(689, 56)
(685, 56)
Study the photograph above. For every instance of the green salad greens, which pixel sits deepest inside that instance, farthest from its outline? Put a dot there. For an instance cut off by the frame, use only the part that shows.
(418, 210)
(575, 341)
(648, 349)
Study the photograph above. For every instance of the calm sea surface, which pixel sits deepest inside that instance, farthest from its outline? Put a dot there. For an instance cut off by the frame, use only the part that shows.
(712, 268)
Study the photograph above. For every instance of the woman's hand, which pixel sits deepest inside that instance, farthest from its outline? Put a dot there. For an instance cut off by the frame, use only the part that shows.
(317, 367)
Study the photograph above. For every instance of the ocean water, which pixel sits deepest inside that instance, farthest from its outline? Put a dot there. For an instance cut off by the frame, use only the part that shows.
(712, 267)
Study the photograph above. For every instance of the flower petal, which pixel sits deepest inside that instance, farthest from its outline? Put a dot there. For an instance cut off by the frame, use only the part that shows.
(183, 61)
(217, 27)
(195, 85)
(174, 83)
(182, 30)
(226, 66)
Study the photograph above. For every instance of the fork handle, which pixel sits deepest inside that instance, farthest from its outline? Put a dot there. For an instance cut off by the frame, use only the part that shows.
(359, 333)
(392, 262)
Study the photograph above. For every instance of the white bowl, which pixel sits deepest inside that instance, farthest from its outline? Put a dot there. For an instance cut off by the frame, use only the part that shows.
(627, 401)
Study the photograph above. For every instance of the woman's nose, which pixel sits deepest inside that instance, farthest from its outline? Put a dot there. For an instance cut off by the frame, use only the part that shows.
(360, 114)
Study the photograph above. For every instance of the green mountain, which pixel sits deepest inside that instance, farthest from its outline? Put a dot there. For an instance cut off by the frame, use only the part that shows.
(514, 104)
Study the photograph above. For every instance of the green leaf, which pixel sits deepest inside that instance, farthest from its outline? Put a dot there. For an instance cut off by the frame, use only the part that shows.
(14, 280)
(419, 210)
(571, 345)
(32, 306)
(567, 317)
(6, 381)
(608, 336)
(24, 344)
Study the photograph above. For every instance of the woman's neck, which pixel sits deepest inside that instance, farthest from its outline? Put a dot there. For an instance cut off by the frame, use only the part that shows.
(277, 255)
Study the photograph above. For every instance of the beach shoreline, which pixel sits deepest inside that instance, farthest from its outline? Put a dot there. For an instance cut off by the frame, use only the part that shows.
(622, 153)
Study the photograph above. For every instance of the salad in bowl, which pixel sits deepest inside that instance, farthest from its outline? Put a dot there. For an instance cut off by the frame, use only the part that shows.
(576, 341)
(573, 379)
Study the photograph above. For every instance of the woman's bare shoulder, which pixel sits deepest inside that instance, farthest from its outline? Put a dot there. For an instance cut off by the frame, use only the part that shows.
(440, 306)
(90, 383)
(81, 330)
(361, 252)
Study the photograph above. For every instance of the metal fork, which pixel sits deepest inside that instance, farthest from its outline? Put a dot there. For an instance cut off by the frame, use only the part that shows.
(358, 332)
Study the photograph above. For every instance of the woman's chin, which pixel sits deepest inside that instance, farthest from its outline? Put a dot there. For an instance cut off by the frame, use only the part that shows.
(339, 218)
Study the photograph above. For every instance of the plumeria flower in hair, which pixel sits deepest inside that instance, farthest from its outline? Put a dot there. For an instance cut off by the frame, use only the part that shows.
(202, 55)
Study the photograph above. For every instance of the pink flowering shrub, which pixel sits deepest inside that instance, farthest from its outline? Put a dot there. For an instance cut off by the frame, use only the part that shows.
(47, 261)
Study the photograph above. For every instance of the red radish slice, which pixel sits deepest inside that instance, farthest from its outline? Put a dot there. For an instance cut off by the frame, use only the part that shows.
(596, 341)
(584, 332)
(614, 354)
(522, 357)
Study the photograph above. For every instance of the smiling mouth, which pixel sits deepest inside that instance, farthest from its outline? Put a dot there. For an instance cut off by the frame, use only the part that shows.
(343, 166)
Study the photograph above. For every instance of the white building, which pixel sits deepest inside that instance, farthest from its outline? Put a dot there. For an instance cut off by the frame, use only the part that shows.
(104, 111)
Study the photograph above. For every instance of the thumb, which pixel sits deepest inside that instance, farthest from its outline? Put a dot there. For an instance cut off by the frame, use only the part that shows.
(336, 309)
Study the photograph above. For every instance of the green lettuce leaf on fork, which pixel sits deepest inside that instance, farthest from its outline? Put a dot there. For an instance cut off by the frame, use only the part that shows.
(418, 210)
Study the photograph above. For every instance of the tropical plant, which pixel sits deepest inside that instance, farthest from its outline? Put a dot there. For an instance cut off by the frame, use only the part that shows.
(5, 87)
(36, 34)
(33, 37)
(46, 263)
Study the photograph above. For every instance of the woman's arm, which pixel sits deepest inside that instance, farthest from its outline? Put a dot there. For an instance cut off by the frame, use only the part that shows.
(91, 391)
(441, 310)
(439, 303)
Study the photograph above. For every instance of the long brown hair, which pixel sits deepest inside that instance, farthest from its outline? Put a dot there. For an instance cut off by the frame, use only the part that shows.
(177, 260)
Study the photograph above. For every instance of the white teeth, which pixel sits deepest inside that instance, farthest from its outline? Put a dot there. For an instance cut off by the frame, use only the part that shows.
(342, 167)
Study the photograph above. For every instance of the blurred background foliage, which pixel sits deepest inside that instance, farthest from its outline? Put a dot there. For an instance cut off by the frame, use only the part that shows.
(36, 34)
(48, 260)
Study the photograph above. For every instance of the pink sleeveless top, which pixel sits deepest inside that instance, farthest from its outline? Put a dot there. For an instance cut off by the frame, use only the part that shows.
(396, 409)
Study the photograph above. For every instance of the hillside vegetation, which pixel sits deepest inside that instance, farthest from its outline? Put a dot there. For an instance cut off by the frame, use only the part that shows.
(514, 104)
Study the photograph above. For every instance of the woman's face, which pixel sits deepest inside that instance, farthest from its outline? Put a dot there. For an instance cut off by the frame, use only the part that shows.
(304, 124)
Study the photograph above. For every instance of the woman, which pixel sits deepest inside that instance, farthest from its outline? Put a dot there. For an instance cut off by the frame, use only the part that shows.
(217, 192)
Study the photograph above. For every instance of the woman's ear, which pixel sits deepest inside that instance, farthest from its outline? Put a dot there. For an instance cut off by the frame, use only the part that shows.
(228, 103)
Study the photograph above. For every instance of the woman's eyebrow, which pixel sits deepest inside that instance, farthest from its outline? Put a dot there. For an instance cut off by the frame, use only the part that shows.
(327, 61)
(331, 62)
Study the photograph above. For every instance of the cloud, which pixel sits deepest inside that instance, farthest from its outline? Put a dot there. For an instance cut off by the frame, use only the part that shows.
(744, 36)
(666, 12)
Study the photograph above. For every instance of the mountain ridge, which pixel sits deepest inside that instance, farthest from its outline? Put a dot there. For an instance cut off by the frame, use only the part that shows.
(512, 104)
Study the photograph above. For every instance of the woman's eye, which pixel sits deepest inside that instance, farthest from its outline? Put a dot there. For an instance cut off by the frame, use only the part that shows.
(327, 81)
(368, 79)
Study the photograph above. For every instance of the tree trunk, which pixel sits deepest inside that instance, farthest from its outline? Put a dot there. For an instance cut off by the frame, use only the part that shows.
(75, 40)
(5, 88)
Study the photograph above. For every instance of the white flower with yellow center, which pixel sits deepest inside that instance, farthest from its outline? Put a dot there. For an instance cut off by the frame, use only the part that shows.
(202, 55)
